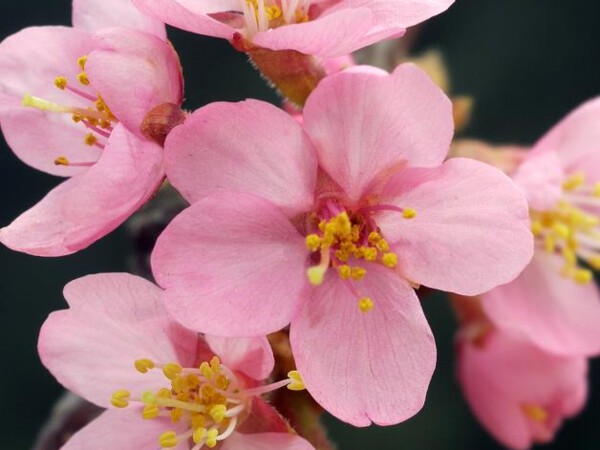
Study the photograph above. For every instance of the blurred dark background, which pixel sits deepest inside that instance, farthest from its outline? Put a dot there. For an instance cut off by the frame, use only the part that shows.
(526, 63)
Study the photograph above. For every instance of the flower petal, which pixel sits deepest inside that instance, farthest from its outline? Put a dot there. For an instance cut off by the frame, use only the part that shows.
(251, 147)
(252, 356)
(576, 140)
(90, 205)
(30, 60)
(364, 367)
(471, 230)
(264, 441)
(366, 125)
(187, 18)
(540, 177)
(134, 72)
(330, 35)
(113, 320)
(504, 374)
(95, 15)
(122, 430)
(548, 309)
(232, 265)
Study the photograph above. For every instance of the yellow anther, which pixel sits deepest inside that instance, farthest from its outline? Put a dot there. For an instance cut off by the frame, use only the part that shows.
(296, 381)
(179, 384)
(374, 237)
(168, 439)
(316, 275)
(211, 437)
(83, 78)
(342, 221)
(569, 256)
(163, 393)
(206, 371)
(90, 139)
(409, 213)
(221, 382)
(549, 243)
(61, 83)
(358, 273)
(370, 253)
(365, 304)
(208, 392)
(535, 412)
(150, 412)
(382, 245)
(583, 276)
(176, 415)
(218, 412)
(342, 255)
(273, 12)
(574, 181)
(198, 421)
(82, 61)
(76, 118)
(215, 364)
(313, 242)
(536, 227)
(61, 161)
(561, 230)
(594, 261)
(149, 398)
(344, 271)
(390, 260)
(120, 399)
(199, 434)
(143, 365)
(171, 370)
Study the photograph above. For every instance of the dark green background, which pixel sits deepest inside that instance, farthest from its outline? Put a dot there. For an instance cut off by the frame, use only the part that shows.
(527, 63)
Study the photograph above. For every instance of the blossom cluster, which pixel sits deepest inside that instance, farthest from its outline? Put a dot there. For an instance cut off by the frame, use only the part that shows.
(320, 220)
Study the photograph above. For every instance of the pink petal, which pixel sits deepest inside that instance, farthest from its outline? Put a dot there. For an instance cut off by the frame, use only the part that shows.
(29, 62)
(330, 35)
(364, 367)
(251, 147)
(540, 177)
(90, 205)
(504, 374)
(122, 430)
(547, 309)
(576, 140)
(180, 15)
(95, 15)
(113, 320)
(367, 125)
(252, 356)
(471, 232)
(232, 265)
(134, 72)
(265, 441)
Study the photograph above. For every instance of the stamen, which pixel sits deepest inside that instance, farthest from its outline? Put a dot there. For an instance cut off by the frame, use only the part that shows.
(144, 365)
(296, 381)
(81, 62)
(168, 439)
(63, 161)
(365, 304)
(60, 83)
(83, 79)
(120, 399)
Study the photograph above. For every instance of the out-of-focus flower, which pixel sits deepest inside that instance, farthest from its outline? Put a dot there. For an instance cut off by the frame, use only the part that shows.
(90, 106)
(117, 347)
(520, 393)
(330, 225)
(554, 303)
(322, 28)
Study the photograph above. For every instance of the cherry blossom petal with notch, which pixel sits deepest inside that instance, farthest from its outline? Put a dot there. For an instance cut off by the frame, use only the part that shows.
(231, 265)
(365, 367)
(471, 229)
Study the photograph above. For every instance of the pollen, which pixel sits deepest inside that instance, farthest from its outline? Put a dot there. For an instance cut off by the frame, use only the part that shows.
(120, 399)
(81, 62)
(313, 242)
(143, 365)
(83, 79)
(390, 260)
(409, 213)
(61, 161)
(365, 304)
(90, 139)
(61, 83)
(296, 381)
(168, 439)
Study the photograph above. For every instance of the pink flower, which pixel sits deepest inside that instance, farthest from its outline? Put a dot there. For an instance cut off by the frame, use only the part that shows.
(318, 27)
(520, 393)
(73, 104)
(117, 347)
(554, 302)
(329, 225)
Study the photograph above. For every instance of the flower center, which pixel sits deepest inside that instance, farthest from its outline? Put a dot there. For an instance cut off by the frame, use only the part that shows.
(208, 400)
(572, 228)
(346, 242)
(97, 117)
(261, 15)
